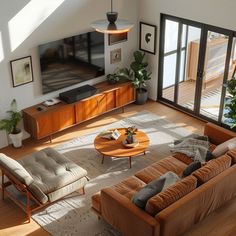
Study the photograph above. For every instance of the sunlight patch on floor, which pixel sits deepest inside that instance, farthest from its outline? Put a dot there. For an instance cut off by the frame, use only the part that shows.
(29, 18)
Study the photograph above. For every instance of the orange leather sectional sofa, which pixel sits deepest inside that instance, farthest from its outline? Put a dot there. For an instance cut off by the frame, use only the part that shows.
(178, 207)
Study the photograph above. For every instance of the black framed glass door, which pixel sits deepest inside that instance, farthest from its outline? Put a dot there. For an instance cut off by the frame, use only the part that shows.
(177, 69)
(195, 60)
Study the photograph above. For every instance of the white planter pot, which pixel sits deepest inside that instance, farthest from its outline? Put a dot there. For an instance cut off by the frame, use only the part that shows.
(16, 139)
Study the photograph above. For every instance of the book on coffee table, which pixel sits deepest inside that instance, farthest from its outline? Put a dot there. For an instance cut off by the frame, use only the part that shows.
(110, 134)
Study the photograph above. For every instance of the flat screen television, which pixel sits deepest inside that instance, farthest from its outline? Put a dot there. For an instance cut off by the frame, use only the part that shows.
(71, 60)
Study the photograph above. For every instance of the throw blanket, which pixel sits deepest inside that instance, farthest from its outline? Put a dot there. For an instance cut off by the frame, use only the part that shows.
(193, 148)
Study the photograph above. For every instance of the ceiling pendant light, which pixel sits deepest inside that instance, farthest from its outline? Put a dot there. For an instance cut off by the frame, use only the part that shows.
(112, 25)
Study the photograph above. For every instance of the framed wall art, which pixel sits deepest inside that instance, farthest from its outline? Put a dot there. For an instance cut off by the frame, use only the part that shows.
(147, 37)
(21, 71)
(115, 56)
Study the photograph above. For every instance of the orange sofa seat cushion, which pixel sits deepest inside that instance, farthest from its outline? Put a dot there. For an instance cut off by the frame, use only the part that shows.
(212, 168)
(128, 187)
(171, 195)
(159, 168)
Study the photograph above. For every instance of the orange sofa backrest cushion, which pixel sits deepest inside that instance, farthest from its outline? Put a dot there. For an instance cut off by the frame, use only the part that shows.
(212, 168)
(170, 195)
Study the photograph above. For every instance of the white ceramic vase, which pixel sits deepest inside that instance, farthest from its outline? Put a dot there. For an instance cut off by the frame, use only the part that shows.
(16, 139)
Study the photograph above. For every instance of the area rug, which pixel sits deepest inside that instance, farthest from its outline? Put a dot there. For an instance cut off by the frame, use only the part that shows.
(73, 215)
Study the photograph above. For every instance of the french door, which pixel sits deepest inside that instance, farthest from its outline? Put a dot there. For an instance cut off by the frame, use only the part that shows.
(195, 61)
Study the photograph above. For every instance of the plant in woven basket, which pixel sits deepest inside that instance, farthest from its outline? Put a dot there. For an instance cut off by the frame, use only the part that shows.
(130, 132)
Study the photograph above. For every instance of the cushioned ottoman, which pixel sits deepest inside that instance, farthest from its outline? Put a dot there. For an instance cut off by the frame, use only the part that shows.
(44, 176)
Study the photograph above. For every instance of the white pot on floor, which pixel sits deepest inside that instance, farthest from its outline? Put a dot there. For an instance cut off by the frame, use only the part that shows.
(16, 139)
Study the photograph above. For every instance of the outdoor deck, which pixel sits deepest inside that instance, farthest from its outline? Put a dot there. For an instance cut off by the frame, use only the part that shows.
(210, 99)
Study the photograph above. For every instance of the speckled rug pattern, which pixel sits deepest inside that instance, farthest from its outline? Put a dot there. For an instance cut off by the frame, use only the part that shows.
(73, 215)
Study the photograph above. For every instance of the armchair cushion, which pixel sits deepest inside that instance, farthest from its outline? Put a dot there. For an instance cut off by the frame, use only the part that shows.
(37, 193)
(16, 169)
(51, 171)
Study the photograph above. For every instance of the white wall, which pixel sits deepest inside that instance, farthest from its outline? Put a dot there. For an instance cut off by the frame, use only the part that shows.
(69, 18)
(215, 12)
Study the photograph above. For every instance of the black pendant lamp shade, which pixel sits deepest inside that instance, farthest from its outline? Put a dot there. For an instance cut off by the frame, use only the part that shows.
(112, 25)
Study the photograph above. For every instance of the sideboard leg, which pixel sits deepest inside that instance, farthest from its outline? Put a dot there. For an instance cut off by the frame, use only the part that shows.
(123, 109)
(102, 159)
(50, 138)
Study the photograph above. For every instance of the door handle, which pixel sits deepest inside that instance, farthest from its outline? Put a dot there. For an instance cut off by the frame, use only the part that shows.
(200, 74)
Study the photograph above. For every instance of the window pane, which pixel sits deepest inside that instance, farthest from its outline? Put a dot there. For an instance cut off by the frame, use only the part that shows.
(188, 67)
(213, 75)
(169, 76)
(184, 36)
(171, 36)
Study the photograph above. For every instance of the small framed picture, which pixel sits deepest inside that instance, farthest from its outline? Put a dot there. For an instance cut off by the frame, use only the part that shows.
(147, 37)
(21, 71)
(117, 38)
(115, 56)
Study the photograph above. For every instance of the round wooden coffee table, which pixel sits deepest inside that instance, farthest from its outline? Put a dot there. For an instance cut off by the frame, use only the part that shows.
(115, 148)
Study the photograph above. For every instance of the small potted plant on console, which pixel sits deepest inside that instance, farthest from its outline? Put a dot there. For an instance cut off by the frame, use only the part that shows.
(120, 75)
(10, 125)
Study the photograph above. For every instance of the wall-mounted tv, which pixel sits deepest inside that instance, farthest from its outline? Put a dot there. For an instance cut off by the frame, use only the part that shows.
(71, 60)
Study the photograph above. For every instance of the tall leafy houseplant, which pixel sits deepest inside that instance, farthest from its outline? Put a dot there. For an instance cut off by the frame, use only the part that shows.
(140, 75)
(10, 125)
(230, 103)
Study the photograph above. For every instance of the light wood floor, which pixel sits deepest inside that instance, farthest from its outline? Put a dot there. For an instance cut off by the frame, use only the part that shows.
(12, 219)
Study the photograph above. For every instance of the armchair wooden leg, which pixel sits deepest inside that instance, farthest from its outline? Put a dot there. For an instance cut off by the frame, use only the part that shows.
(3, 187)
(83, 191)
(28, 210)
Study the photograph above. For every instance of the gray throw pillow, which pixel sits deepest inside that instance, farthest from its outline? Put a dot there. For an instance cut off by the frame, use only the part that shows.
(151, 189)
(191, 168)
(156, 186)
(209, 156)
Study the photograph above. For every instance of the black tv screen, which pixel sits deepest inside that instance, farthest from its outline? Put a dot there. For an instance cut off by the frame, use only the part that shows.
(71, 60)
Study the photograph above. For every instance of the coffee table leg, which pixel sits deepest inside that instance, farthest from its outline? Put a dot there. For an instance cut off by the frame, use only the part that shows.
(102, 159)
(130, 162)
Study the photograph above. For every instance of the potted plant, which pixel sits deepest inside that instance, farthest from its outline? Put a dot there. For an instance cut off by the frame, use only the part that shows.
(120, 75)
(130, 132)
(10, 125)
(140, 76)
(230, 103)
